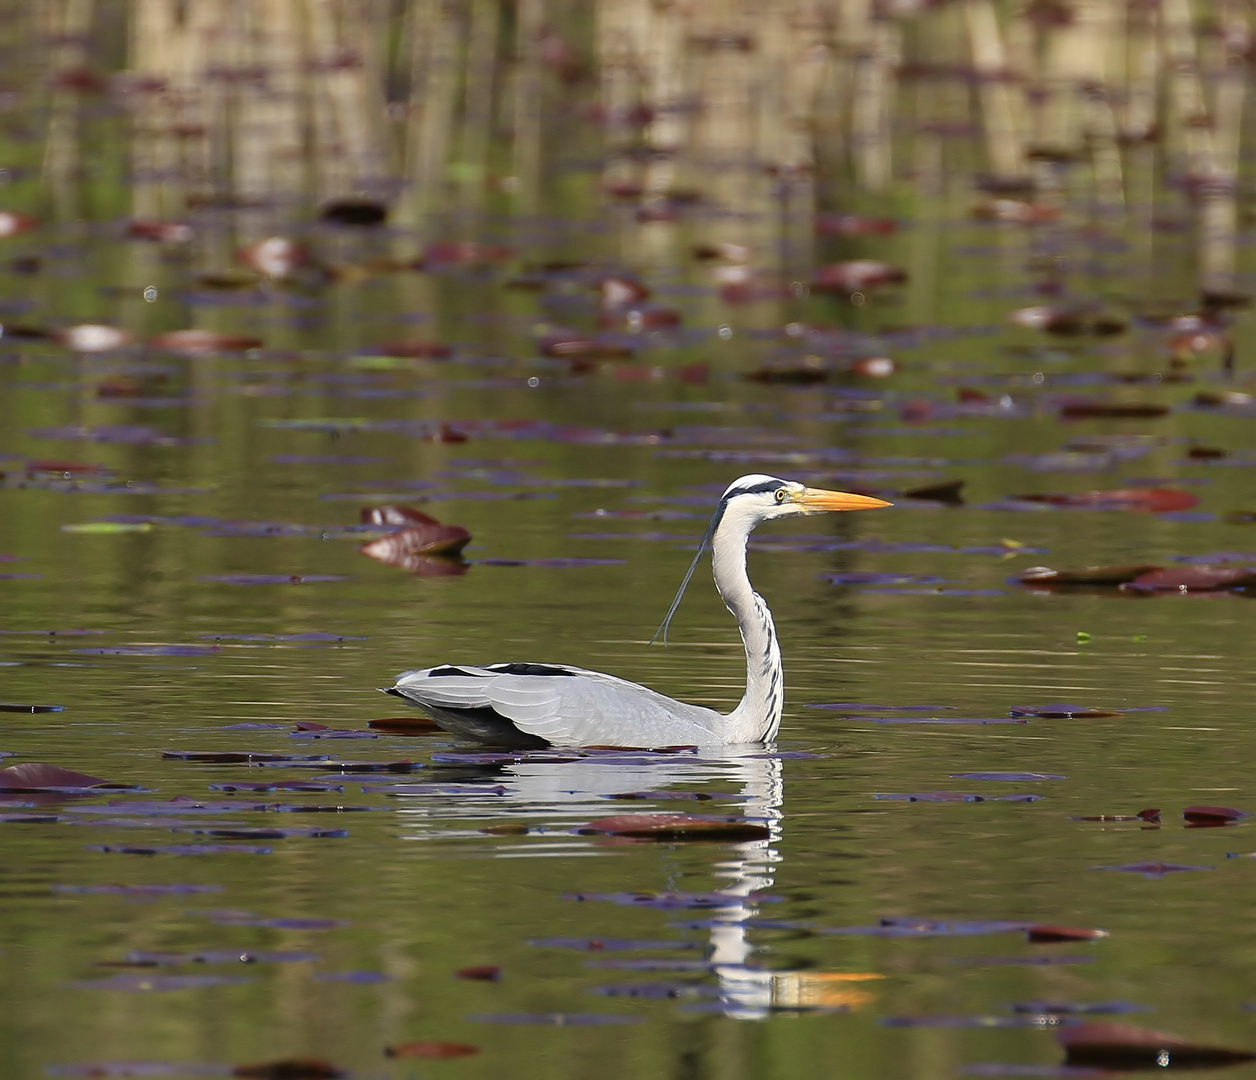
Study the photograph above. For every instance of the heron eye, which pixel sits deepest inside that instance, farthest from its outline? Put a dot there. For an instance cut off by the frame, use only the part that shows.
(780, 495)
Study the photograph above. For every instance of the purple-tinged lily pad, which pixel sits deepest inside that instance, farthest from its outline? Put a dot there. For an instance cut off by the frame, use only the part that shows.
(970, 1021)
(555, 1019)
(360, 978)
(271, 579)
(1076, 1008)
(243, 756)
(10, 706)
(259, 832)
(956, 796)
(1153, 869)
(1037, 960)
(160, 889)
(158, 983)
(308, 635)
(150, 958)
(313, 786)
(245, 918)
(435, 789)
(180, 849)
(136, 1070)
(154, 650)
(658, 991)
(551, 563)
(903, 926)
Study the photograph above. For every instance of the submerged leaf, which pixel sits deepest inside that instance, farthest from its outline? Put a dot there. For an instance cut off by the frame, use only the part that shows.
(670, 827)
(1124, 1046)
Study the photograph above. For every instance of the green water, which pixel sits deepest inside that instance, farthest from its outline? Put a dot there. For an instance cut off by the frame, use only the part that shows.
(151, 643)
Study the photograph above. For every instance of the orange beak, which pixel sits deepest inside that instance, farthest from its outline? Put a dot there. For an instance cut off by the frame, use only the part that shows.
(813, 500)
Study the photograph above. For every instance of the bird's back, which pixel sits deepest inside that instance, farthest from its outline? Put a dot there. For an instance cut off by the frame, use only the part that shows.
(532, 703)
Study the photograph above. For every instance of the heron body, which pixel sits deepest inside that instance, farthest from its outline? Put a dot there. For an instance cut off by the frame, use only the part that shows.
(539, 704)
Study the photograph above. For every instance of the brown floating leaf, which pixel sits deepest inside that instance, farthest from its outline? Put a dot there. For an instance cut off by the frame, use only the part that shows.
(405, 725)
(417, 540)
(431, 1050)
(1213, 815)
(1081, 408)
(1206, 453)
(855, 275)
(572, 345)
(163, 232)
(1068, 321)
(1218, 398)
(1124, 1046)
(1151, 814)
(947, 491)
(393, 514)
(873, 367)
(619, 290)
(1087, 575)
(1198, 578)
(289, 1069)
(33, 775)
(194, 342)
(1045, 933)
(1154, 500)
(482, 972)
(678, 827)
(801, 372)
(360, 212)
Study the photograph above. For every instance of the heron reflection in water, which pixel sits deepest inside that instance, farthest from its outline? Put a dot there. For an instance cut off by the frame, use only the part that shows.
(555, 797)
(540, 704)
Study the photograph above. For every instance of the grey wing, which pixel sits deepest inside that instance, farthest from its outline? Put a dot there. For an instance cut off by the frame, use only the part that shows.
(562, 705)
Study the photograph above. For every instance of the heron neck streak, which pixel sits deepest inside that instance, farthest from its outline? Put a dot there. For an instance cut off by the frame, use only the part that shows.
(758, 716)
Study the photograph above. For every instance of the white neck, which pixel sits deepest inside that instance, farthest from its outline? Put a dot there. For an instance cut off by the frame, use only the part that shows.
(758, 716)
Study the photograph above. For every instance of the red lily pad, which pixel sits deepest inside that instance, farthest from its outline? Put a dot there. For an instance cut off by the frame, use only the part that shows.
(1087, 575)
(1125, 1046)
(481, 973)
(1194, 578)
(1213, 815)
(1154, 869)
(40, 776)
(1046, 933)
(856, 275)
(431, 1050)
(290, 1069)
(1086, 408)
(196, 342)
(418, 539)
(405, 725)
(669, 827)
(1063, 712)
(1152, 500)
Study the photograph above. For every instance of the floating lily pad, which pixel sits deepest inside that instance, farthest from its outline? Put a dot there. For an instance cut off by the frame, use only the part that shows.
(1124, 1046)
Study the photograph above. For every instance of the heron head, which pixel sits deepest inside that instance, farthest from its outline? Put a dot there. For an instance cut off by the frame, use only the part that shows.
(764, 498)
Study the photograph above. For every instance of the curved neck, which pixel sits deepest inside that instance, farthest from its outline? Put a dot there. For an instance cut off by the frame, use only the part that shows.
(758, 716)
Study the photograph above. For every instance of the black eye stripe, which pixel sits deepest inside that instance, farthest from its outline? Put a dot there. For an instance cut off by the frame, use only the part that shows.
(756, 489)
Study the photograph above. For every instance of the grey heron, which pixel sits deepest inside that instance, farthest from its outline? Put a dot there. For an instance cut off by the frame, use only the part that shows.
(540, 704)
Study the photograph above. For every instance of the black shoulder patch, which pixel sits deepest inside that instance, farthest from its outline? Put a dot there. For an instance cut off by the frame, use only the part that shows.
(527, 669)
